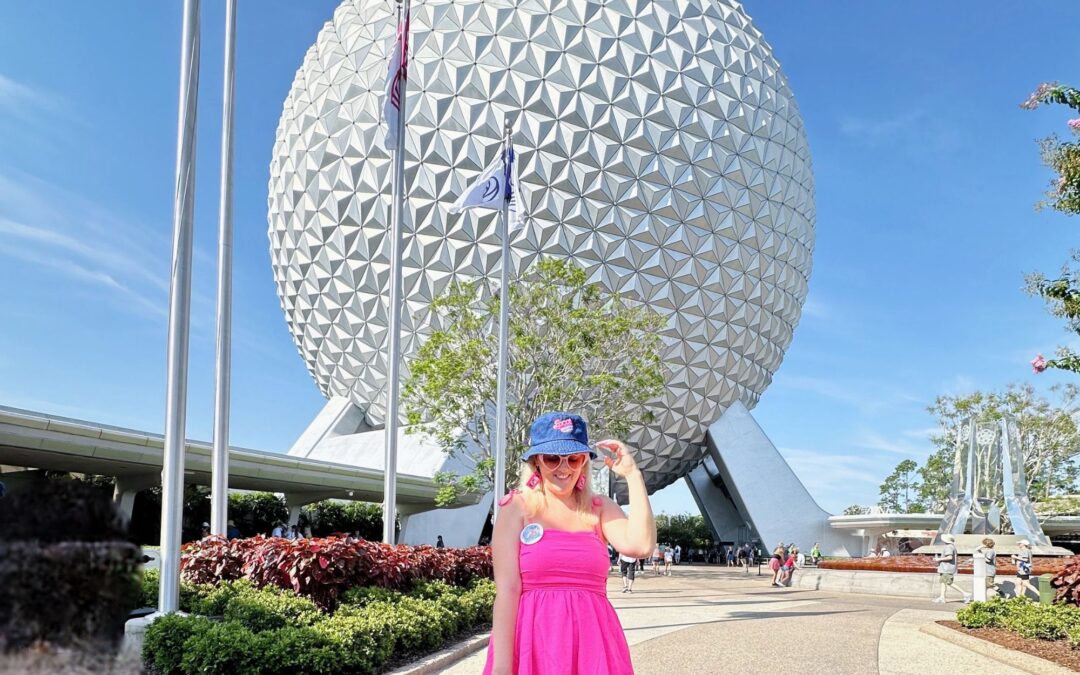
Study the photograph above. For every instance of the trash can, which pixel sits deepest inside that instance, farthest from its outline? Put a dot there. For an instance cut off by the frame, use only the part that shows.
(1046, 592)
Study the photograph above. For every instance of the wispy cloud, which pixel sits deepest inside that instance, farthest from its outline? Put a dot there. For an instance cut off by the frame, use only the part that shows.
(902, 444)
(932, 132)
(19, 97)
(815, 308)
(67, 236)
(866, 397)
(828, 475)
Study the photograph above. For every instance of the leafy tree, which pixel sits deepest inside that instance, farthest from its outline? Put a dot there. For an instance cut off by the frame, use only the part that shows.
(257, 512)
(935, 478)
(328, 517)
(572, 347)
(684, 530)
(854, 510)
(896, 491)
(1062, 295)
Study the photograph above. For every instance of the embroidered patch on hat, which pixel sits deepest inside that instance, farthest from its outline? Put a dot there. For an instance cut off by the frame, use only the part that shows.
(563, 425)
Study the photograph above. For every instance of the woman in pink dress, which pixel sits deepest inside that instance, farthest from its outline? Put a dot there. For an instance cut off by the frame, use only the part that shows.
(552, 615)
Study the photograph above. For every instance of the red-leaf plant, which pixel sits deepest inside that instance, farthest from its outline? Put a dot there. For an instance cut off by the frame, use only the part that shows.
(322, 569)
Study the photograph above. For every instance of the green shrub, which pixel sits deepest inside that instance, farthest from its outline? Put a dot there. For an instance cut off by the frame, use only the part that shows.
(225, 647)
(364, 637)
(270, 608)
(163, 644)
(433, 590)
(420, 625)
(212, 599)
(293, 650)
(983, 614)
(190, 594)
(363, 596)
(1043, 622)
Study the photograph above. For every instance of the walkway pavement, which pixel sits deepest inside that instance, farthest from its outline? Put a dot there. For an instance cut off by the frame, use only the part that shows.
(718, 620)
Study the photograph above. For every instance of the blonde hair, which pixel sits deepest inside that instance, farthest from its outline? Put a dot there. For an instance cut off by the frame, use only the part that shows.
(536, 498)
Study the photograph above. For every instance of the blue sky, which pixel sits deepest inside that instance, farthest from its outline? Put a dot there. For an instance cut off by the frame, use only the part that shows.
(926, 172)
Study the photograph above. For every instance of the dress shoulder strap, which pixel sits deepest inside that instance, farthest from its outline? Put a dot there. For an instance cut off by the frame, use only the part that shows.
(508, 497)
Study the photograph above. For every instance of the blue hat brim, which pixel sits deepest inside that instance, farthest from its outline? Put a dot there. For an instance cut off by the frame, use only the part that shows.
(558, 446)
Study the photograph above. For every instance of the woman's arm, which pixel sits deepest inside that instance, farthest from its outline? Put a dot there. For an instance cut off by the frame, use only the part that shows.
(636, 535)
(504, 553)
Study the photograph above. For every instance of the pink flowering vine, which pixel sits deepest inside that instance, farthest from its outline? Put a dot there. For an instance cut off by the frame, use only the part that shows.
(1038, 364)
(1037, 96)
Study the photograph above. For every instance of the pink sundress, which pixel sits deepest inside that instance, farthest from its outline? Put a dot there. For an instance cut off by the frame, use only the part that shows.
(565, 623)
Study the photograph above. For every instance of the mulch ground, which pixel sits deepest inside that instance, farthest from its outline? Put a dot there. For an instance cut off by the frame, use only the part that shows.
(1057, 651)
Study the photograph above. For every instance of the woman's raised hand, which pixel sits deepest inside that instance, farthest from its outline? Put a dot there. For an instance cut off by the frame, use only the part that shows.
(617, 457)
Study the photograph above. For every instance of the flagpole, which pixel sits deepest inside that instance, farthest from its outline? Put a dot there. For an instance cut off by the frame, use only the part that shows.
(172, 479)
(219, 480)
(393, 363)
(504, 325)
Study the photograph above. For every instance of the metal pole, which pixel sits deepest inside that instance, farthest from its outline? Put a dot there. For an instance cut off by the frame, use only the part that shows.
(393, 358)
(219, 481)
(172, 488)
(504, 329)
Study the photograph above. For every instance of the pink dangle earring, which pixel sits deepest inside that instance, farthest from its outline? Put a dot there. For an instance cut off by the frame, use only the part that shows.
(534, 480)
(580, 485)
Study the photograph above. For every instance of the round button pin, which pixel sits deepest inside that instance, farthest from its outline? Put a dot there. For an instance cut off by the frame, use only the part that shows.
(532, 533)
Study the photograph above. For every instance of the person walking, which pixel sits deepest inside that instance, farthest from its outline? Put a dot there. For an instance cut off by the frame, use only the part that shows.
(815, 554)
(656, 557)
(627, 567)
(1023, 568)
(439, 542)
(551, 614)
(669, 557)
(986, 550)
(678, 553)
(947, 569)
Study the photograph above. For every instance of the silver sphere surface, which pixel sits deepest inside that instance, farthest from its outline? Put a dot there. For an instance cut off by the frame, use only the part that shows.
(659, 146)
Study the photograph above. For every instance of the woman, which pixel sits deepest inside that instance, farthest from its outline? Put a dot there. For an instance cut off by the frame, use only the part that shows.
(552, 615)
(1023, 568)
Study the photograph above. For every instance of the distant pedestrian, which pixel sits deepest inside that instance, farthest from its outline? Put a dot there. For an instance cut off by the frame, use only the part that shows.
(233, 532)
(774, 565)
(1023, 568)
(627, 567)
(815, 554)
(656, 558)
(439, 542)
(986, 550)
(678, 553)
(800, 559)
(785, 570)
(947, 568)
(205, 531)
(278, 531)
(669, 557)
(730, 556)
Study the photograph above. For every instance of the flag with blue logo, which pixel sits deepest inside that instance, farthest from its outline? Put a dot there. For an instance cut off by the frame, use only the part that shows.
(496, 185)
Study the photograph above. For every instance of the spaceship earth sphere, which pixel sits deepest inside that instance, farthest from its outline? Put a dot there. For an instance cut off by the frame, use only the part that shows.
(659, 147)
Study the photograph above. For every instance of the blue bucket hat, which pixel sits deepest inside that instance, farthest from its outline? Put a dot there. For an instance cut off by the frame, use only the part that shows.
(558, 433)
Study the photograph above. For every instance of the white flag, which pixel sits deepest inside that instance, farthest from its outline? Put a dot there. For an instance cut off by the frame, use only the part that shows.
(395, 83)
(496, 185)
(486, 192)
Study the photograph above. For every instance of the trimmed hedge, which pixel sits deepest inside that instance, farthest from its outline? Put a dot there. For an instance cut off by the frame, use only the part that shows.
(270, 630)
(1025, 618)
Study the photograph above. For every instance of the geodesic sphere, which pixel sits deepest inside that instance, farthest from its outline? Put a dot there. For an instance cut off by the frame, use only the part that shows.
(658, 146)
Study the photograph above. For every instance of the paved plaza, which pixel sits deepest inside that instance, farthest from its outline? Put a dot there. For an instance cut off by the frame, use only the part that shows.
(718, 620)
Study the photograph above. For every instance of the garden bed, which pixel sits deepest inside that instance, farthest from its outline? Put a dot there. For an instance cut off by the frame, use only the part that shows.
(266, 606)
(234, 627)
(1057, 651)
(926, 564)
